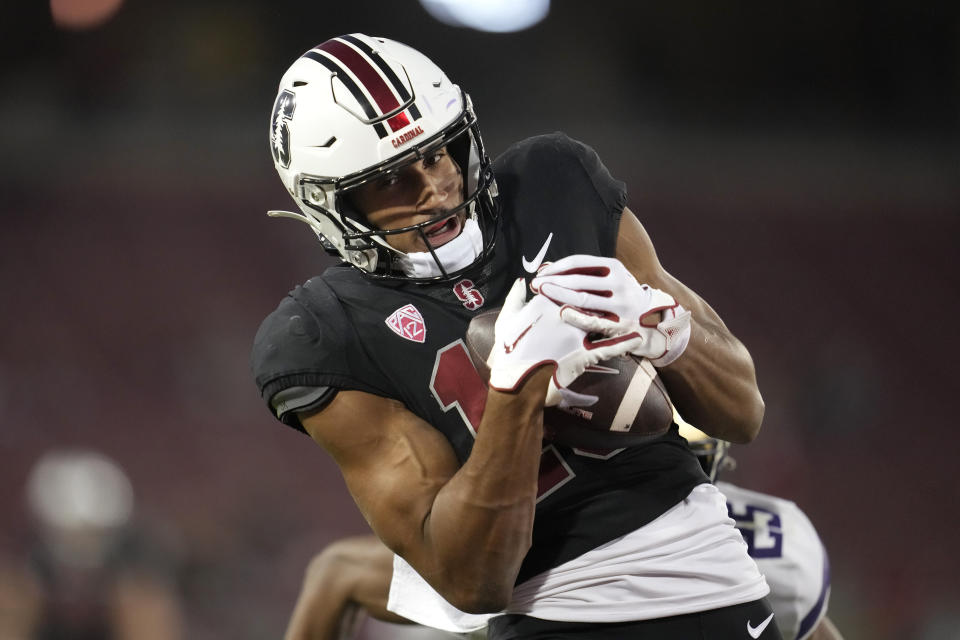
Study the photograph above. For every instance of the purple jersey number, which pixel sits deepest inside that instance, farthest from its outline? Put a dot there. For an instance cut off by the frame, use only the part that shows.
(761, 530)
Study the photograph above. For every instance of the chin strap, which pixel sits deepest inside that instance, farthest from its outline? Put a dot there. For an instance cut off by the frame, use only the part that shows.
(457, 254)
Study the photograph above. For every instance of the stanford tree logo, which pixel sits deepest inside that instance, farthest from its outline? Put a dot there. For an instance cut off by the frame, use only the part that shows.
(279, 130)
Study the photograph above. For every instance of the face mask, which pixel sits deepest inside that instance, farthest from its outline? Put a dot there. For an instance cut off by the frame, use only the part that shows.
(454, 255)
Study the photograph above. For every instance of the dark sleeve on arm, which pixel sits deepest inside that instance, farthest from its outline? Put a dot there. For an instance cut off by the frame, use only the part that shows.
(565, 177)
(301, 401)
(611, 193)
(309, 343)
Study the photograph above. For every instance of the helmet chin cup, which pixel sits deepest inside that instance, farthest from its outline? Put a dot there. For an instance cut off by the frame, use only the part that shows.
(355, 108)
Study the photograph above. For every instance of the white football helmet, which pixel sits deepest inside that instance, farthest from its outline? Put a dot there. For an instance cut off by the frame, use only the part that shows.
(710, 451)
(355, 108)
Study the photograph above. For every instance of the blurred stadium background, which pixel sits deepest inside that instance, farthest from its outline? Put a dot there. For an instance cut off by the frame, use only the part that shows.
(798, 165)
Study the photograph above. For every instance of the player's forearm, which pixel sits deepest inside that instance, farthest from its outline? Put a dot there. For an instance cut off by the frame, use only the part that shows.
(714, 384)
(324, 604)
(348, 578)
(482, 520)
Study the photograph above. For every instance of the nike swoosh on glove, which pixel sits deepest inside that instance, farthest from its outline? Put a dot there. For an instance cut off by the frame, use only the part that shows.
(530, 334)
(601, 296)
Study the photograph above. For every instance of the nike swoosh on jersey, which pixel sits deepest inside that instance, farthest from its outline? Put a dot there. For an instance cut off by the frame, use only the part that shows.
(755, 631)
(531, 266)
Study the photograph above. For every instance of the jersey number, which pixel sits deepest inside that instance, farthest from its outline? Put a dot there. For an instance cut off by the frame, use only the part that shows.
(761, 530)
(456, 384)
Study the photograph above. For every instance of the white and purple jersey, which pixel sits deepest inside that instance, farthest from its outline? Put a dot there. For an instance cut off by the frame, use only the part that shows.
(789, 552)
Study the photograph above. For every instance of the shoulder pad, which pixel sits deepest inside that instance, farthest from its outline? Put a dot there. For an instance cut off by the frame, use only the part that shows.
(309, 341)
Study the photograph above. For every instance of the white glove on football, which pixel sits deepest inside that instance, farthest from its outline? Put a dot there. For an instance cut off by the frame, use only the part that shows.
(603, 297)
(530, 334)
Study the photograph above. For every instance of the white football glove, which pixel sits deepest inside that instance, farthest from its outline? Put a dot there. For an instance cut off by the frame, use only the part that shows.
(530, 334)
(601, 296)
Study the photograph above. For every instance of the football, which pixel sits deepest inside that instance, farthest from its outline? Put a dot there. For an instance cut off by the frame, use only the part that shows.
(633, 405)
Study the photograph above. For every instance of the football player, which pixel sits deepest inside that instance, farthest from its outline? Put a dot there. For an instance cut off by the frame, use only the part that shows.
(95, 570)
(383, 155)
(782, 540)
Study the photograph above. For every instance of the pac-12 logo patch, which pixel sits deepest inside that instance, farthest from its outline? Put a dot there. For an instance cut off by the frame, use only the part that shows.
(279, 129)
(407, 323)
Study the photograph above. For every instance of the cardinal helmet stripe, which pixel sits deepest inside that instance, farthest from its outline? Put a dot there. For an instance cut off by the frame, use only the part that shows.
(352, 86)
(370, 78)
(387, 71)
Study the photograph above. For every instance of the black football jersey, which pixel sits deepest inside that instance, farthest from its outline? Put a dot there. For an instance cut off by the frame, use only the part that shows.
(405, 341)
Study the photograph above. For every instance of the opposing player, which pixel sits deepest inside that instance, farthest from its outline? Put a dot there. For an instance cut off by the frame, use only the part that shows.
(782, 540)
(383, 156)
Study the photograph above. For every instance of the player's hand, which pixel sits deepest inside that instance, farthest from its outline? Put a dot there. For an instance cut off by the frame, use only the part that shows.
(528, 335)
(603, 297)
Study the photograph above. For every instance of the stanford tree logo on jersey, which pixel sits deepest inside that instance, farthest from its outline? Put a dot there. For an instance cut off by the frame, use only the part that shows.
(279, 131)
